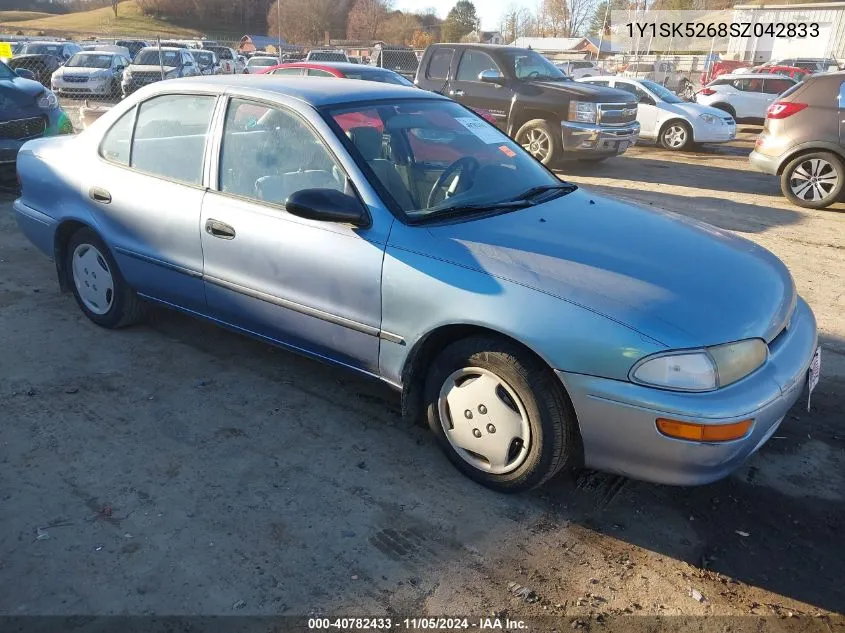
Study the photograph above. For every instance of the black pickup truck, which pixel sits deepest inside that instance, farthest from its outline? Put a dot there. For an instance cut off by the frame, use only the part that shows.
(532, 101)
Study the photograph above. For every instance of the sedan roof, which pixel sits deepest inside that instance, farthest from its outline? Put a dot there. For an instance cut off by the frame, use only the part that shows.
(315, 91)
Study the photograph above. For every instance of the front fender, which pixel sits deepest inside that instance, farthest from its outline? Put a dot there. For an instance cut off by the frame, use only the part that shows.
(421, 294)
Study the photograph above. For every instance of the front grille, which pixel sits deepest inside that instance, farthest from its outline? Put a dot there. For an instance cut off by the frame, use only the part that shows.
(8, 155)
(617, 113)
(146, 77)
(77, 79)
(23, 128)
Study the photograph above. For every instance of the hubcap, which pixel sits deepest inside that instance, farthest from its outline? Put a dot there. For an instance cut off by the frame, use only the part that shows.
(93, 279)
(537, 143)
(675, 136)
(484, 420)
(813, 180)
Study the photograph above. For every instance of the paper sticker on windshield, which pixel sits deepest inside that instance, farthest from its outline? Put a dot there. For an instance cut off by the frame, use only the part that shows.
(486, 132)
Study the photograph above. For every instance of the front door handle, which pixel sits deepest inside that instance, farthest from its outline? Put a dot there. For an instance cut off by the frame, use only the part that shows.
(219, 229)
(98, 194)
(456, 93)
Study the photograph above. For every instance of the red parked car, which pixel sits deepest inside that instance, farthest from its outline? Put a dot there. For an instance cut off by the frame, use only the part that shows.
(717, 68)
(798, 74)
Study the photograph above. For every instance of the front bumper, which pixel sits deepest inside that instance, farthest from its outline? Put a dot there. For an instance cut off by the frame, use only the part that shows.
(617, 419)
(84, 89)
(55, 122)
(721, 133)
(594, 139)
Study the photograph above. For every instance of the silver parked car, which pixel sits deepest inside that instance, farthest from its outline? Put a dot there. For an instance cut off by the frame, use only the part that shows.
(396, 233)
(90, 73)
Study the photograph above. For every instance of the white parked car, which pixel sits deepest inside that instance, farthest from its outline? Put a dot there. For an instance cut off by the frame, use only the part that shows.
(668, 119)
(108, 48)
(90, 73)
(260, 63)
(745, 96)
(662, 72)
(230, 62)
(578, 68)
(326, 55)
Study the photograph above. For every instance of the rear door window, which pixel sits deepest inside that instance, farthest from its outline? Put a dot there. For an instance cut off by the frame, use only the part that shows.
(117, 141)
(776, 86)
(438, 67)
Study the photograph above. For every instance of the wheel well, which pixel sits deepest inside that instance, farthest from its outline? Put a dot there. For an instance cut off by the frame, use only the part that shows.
(665, 123)
(424, 353)
(63, 233)
(727, 108)
(802, 152)
(529, 115)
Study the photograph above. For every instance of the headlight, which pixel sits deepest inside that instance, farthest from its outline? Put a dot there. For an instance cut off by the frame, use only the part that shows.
(701, 370)
(582, 111)
(47, 100)
(708, 118)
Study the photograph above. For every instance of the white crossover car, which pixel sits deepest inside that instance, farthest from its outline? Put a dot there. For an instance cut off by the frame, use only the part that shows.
(745, 96)
(668, 119)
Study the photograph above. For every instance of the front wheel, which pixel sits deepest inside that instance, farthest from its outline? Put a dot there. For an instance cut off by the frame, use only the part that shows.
(500, 414)
(99, 288)
(813, 181)
(676, 135)
(540, 139)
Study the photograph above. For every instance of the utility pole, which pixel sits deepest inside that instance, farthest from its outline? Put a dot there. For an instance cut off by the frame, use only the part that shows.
(279, 27)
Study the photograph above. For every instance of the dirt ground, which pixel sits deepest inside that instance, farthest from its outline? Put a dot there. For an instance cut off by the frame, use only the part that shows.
(175, 468)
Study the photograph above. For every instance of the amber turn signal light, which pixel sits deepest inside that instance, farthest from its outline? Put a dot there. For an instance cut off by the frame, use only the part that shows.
(703, 432)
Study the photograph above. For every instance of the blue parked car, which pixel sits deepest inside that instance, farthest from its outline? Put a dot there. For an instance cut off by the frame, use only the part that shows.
(27, 110)
(536, 327)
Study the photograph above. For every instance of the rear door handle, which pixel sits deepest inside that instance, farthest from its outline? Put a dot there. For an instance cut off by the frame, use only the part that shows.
(219, 229)
(98, 194)
(457, 93)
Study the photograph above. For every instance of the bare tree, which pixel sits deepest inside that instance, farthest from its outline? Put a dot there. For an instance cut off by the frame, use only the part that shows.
(366, 19)
(399, 28)
(565, 18)
(515, 23)
(305, 21)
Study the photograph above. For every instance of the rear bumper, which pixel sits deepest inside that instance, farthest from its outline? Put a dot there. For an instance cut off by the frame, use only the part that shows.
(592, 139)
(38, 227)
(764, 163)
(617, 418)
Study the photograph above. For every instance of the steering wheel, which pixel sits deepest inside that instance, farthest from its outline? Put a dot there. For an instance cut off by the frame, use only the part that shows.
(532, 74)
(466, 165)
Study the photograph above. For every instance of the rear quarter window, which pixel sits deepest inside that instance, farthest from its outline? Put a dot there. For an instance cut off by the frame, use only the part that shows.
(438, 66)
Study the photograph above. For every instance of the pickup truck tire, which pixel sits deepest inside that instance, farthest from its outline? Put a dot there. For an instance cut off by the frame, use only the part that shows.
(538, 138)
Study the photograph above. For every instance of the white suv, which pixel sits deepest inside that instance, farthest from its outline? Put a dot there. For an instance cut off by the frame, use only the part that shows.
(579, 68)
(744, 95)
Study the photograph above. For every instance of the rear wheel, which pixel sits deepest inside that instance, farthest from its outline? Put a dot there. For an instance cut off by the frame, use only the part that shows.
(813, 181)
(539, 139)
(99, 288)
(500, 414)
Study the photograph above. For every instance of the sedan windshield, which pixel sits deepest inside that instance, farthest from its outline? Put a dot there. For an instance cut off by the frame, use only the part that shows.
(151, 58)
(89, 60)
(663, 93)
(42, 49)
(531, 65)
(436, 158)
(383, 76)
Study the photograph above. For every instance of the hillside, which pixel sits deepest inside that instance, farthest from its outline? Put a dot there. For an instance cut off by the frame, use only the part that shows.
(130, 21)
(20, 16)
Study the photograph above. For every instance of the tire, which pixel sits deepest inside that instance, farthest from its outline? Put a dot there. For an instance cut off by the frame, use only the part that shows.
(675, 135)
(96, 269)
(526, 401)
(799, 187)
(539, 139)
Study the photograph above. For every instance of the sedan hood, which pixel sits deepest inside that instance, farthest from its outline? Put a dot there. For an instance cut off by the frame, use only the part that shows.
(692, 109)
(150, 68)
(677, 281)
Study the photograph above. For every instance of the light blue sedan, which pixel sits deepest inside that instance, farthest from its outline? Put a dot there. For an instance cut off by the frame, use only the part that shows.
(536, 327)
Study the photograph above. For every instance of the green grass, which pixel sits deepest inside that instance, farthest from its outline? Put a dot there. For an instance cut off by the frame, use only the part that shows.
(129, 21)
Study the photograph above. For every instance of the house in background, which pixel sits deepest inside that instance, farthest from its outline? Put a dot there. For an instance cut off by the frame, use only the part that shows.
(563, 48)
(483, 37)
(252, 43)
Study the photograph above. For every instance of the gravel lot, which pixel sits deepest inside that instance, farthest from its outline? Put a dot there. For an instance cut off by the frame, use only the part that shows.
(175, 468)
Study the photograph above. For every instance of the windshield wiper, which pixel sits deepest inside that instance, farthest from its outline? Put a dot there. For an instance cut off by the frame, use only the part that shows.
(562, 187)
(463, 209)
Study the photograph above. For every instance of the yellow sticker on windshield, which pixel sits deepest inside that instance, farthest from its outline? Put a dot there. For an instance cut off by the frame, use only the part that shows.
(5, 49)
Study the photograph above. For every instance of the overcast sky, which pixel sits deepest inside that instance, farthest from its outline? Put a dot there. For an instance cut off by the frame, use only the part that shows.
(490, 11)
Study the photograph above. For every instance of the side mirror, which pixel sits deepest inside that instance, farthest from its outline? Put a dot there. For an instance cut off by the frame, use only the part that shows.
(327, 205)
(491, 77)
(25, 74)
(646, 100)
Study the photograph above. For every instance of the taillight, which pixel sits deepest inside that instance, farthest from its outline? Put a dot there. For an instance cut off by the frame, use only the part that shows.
(783, 109)
(706, 92)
